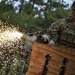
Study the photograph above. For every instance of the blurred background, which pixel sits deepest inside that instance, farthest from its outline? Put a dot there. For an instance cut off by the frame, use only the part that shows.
(16, 17)
(38, 13)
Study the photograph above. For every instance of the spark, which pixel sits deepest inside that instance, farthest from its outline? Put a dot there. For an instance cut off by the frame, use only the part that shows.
(10, 39)
(9, 35)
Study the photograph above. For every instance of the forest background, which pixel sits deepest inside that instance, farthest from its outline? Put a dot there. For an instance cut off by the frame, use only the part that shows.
(37, 13)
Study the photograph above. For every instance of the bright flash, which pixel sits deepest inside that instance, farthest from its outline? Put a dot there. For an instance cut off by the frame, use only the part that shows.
(9, 36)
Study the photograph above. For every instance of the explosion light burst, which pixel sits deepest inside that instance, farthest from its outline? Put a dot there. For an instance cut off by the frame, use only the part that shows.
(10, 41)
(9, 36)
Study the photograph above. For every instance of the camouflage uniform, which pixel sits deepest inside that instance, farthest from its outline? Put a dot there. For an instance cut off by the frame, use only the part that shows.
(61, 27)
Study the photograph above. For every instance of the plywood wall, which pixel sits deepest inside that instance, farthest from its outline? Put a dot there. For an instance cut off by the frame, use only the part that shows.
(62, 60)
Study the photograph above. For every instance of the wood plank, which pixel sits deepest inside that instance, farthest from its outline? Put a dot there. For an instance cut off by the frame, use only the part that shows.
(54, 49)
(71, 64)
(52, 70)
(70, 70)
(54, 65)
(34, 60)
(32, 73)
(35, 69)
(51, 73)
(37, 60)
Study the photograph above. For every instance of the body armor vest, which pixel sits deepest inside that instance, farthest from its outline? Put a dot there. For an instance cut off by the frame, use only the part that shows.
(68, 35)
(68, 38)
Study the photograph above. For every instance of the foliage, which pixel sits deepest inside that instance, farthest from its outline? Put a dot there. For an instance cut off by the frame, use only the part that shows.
(46, 12)
(5, 7)
(36, 13)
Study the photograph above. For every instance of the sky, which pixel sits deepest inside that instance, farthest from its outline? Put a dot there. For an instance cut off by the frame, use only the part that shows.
(67, 1)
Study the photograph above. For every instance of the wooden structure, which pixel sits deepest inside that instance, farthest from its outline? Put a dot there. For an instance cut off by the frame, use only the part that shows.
(51, 60)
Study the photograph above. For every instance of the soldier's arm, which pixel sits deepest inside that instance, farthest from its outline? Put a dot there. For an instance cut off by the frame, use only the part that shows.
(60, 24)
